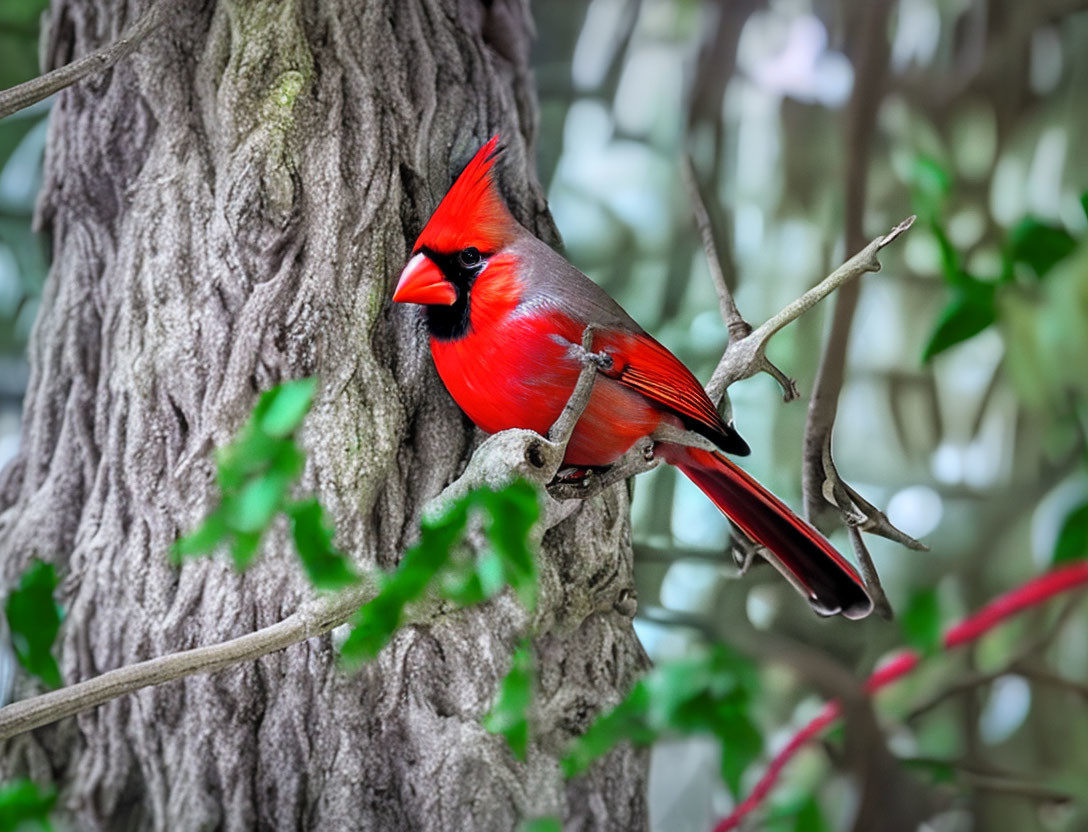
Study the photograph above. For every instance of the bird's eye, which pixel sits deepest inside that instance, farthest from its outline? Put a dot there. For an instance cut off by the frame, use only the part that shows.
(469, 257)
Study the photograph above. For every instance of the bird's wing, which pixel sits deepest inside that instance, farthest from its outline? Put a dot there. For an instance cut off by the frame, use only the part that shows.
(641, 363)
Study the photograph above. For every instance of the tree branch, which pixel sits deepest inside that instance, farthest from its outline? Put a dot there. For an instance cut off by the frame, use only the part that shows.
(1035, 592)
(315, 618)
(31, 92)
(746, 357)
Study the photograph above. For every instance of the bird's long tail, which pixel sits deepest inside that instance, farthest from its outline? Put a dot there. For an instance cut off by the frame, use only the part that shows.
(796, 549)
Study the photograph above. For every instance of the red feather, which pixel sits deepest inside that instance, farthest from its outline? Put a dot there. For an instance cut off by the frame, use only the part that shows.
(472, 213)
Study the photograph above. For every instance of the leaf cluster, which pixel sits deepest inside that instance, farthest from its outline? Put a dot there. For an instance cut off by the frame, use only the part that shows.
(255, 474)
(1029, 253)
(438, 562)
(25, 807)
(710, 693)
(34, 620)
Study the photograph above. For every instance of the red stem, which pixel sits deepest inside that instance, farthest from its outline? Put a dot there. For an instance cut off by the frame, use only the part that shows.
(1033, 593)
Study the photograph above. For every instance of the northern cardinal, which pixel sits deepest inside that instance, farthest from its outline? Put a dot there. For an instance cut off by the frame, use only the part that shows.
(506, 315)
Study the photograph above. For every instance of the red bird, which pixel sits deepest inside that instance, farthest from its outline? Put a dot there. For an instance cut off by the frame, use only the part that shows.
(506, 316)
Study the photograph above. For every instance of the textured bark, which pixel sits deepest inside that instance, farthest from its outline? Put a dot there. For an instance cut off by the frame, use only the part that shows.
(229, 208)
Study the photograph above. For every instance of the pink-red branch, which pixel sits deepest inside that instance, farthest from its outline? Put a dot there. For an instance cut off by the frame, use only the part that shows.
(1031, 594)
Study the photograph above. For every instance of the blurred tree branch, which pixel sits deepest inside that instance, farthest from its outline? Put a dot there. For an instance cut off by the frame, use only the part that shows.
(31, 92)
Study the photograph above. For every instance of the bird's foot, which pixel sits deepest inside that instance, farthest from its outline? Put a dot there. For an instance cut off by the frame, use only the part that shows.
(577, 475)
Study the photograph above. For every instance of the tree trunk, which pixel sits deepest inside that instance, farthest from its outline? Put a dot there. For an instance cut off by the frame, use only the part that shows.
(229, 208)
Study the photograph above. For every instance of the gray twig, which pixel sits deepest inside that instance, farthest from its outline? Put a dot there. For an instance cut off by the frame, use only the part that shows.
(745, 357)
(31, 92)
(315, 618)
(563, 427)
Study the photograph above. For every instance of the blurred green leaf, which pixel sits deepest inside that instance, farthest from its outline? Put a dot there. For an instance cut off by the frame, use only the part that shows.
(811, 818)
(376, 621)
(938, 770)
(255, 473)
(34, 619)
(509, 716)
(511, 513)
(25, 807)
(951, 267)
(13, 130)
(257, 502)
(709, 693)
(281, 413)
(921, 620)
(541, 825)
(1039, 245)
(327, 567)
(204, 539)
(23, 13)
(1072, 543)
(930, 185)
(966, 315)
(1084, 203)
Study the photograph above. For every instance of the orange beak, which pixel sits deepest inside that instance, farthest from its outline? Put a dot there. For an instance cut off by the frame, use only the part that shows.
(423, 282)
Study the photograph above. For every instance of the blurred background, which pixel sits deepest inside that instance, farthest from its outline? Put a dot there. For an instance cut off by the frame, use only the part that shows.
(971, 114)
(962, 414)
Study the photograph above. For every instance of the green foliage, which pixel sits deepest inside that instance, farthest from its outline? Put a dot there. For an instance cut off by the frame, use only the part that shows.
(510, 515)
(1072, 543)
(255, 473)
(1039, 245)
(327, 567)
(931, 184)
(541, 825)
(921, 620)
(25, 808)
(974, 303)
(34, 619)
(971, 309)
(709, 693)
(802, 814)
(509, 714)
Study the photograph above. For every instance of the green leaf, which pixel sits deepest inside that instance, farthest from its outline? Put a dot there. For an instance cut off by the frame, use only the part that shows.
(1084, 203)
(966, 315)
(921, 620)
(1039, 245)
(34, 619)
(741, 746)
(204, 539)
(327, 567)
(375, 622)
(951, 267)
(624, 722)
(939, 771)
(1072, 543)
(25, 807)
(509, 716)
(256, 504)
(283, 408)
(255, 473)
(243, 548)
(709, 693)
(541, 825)
(512, 511)
(930, 186)
(810, 818)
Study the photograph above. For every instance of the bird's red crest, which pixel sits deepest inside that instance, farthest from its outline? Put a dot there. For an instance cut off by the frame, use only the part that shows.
(472, 213)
